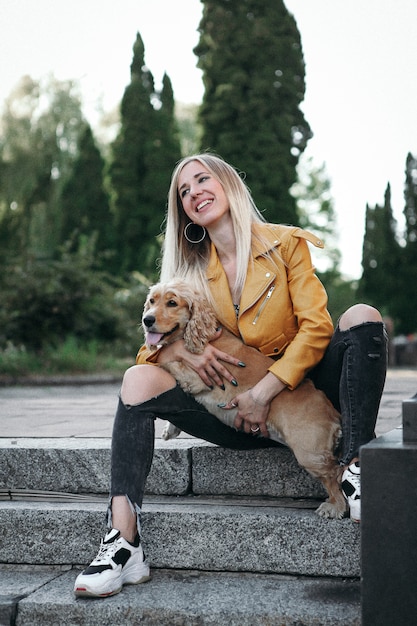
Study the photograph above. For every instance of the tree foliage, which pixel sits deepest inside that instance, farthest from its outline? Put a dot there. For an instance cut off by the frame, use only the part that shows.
(253, 73)
(406, 310)
(74, 219)
(143, 155)
(381, 258)
(38, 145)
(84, 202)
(316, 211)
(45, 301)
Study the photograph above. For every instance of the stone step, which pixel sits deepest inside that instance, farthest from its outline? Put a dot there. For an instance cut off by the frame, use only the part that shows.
(282, 536)
(44, 597)
(180, 466)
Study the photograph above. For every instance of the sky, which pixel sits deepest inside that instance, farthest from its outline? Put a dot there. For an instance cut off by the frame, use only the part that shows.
(361, 68)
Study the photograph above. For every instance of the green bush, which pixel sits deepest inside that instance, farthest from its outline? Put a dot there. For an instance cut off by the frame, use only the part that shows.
(44, 303)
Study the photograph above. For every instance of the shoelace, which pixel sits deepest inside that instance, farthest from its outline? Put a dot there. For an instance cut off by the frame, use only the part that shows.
(106, 551)
(355, 480)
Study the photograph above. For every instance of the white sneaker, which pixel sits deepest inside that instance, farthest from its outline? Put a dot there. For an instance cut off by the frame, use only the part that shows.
(117, 563)
(351, 487)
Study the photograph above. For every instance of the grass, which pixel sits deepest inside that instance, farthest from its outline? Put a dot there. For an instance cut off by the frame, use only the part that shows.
(70, 357)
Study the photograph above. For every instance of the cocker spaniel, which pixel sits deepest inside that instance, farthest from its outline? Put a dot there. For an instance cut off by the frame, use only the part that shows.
(303, 419)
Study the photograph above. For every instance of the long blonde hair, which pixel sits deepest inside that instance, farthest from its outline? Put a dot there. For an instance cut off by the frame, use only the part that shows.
(182, 259)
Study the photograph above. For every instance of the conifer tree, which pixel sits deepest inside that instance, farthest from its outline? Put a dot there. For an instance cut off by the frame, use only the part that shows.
(144, 154)
(253, 72)
(408, 276)
(85, 203)
(381, 258)
(164, 152)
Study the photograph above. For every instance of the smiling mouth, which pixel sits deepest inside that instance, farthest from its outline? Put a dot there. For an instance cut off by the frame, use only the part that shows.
(202, 205)
(154, 339)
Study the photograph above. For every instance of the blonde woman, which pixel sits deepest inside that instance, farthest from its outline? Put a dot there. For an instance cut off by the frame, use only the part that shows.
(261, 282)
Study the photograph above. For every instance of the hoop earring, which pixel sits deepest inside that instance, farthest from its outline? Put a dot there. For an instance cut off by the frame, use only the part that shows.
(187, 236)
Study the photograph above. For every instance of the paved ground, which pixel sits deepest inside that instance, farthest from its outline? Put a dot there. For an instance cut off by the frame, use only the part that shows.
(88, 410)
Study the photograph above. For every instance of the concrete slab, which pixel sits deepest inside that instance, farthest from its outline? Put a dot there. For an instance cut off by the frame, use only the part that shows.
(19, 581)
(82, 465)
(88, 410)
(239, 534)
(201, 599)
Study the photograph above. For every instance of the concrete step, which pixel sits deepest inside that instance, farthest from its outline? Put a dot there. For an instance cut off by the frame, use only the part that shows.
(181, 466)
(31, 597)
(199, 532)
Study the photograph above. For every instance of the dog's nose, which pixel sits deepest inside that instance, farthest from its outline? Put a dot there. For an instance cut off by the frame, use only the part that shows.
(149, 321)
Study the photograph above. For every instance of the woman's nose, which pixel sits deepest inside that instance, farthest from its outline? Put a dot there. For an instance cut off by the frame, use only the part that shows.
(195, 191)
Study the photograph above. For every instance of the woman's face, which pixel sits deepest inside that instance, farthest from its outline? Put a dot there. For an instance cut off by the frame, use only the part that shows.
(202, 196)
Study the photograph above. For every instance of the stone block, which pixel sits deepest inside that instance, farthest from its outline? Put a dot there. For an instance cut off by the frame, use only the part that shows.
(196, 598)
(82, 465)
(270, 472)
(389, 537)
(17, 582)
(189, 533)
(410, 420)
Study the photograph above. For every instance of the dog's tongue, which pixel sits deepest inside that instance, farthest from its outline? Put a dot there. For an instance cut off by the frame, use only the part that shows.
(152, 339)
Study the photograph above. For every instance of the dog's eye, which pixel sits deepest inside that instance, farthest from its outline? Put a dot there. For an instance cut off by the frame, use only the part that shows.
(172, 303)
(151, 300)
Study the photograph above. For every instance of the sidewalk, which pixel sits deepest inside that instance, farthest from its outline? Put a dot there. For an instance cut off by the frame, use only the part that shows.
(87, 410)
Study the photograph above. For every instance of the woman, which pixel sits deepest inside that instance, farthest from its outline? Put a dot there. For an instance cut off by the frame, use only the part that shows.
(261, 282)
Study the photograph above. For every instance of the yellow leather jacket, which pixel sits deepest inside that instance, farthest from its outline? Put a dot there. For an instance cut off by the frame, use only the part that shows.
(283, 307)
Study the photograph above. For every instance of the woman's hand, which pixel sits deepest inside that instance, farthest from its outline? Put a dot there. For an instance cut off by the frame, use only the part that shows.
(251, 416)
(208, 364)
(253, 405)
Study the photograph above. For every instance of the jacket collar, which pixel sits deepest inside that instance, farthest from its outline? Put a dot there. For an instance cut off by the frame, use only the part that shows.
(259, 277)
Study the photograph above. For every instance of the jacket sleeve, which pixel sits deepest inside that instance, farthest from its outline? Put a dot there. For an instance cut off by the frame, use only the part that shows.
(309, 301)
(146, 356)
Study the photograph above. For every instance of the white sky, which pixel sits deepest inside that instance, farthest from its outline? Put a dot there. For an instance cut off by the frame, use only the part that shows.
(361, 69)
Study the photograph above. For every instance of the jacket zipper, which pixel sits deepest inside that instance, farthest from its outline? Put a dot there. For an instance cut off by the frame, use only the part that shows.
(263, 304)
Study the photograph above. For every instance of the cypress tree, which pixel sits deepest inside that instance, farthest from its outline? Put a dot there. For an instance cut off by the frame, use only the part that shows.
(163, 153)
(408, 276)
(85, 203)
(253, 72)
(144, 154)
(128, 166)
(381, 258)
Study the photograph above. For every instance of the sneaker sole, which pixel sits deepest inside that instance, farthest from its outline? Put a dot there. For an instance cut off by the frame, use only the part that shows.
(85, 592)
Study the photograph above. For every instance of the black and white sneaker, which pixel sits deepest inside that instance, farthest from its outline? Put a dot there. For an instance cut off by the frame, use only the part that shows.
(351, 487)
(117, 563)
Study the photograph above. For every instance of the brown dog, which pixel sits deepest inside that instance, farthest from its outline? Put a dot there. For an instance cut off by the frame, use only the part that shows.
(303, 419)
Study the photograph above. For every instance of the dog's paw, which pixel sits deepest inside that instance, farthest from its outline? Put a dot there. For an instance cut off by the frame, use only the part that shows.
(170, 432)
(330, 511)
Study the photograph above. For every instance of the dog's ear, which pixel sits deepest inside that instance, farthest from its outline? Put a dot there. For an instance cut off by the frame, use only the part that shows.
(201, 327)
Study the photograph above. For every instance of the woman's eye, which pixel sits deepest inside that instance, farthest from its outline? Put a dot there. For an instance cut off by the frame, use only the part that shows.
(203, 179)
(184, 192)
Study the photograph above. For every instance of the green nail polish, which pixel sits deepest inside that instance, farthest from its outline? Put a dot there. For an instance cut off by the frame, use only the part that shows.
(241, 364)
(222, 405)
(234, 382)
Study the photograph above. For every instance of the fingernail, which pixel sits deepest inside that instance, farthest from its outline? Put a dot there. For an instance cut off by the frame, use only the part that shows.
(234, 382)
(210, 387)
(221, 405)
(241, 364)
(222, 387)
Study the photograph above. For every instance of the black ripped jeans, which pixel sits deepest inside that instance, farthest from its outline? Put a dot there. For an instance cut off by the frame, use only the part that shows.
(351, 373)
